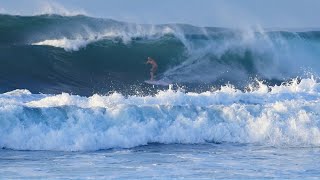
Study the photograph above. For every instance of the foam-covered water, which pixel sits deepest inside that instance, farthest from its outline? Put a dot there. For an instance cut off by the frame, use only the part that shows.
(284, 115)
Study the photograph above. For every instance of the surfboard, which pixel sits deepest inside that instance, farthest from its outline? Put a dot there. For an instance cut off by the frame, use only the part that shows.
(157, 82)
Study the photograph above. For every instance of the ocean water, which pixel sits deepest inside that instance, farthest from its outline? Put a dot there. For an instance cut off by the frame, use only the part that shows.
(242, 103)
(171, 161)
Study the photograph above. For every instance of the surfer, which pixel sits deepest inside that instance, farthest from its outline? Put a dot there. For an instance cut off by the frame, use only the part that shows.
(154, 67)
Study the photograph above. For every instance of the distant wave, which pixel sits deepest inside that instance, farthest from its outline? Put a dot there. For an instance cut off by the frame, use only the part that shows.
(85, 55)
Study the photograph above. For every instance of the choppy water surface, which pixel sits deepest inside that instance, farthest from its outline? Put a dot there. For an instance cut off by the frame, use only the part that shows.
(159, 161)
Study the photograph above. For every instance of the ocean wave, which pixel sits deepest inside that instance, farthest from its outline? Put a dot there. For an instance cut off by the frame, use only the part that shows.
(280, 116)
(85, 55)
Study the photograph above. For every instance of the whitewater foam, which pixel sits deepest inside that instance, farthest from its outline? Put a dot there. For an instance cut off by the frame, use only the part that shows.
(67, 44)
(125, 33)
(278, 116)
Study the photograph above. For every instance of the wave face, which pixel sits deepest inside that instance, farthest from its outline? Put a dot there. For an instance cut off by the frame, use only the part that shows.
(84, 55)
(281, 116)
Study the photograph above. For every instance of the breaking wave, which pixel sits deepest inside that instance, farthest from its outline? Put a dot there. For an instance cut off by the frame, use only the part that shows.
(285, 115)
(84, 55)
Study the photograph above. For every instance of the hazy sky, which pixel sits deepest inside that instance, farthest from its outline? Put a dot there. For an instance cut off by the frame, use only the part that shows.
(226, 13)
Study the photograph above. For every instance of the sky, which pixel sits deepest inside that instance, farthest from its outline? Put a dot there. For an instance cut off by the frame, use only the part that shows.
(218, 13)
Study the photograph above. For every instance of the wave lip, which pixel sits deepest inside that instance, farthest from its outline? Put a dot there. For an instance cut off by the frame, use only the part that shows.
(273, 116)
(68, 45)
(122, 34)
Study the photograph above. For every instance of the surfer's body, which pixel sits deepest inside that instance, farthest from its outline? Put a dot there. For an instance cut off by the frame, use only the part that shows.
(154, 67)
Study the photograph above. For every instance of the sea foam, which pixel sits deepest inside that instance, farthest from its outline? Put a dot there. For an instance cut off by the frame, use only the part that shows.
(126, 34)
(283, 115)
